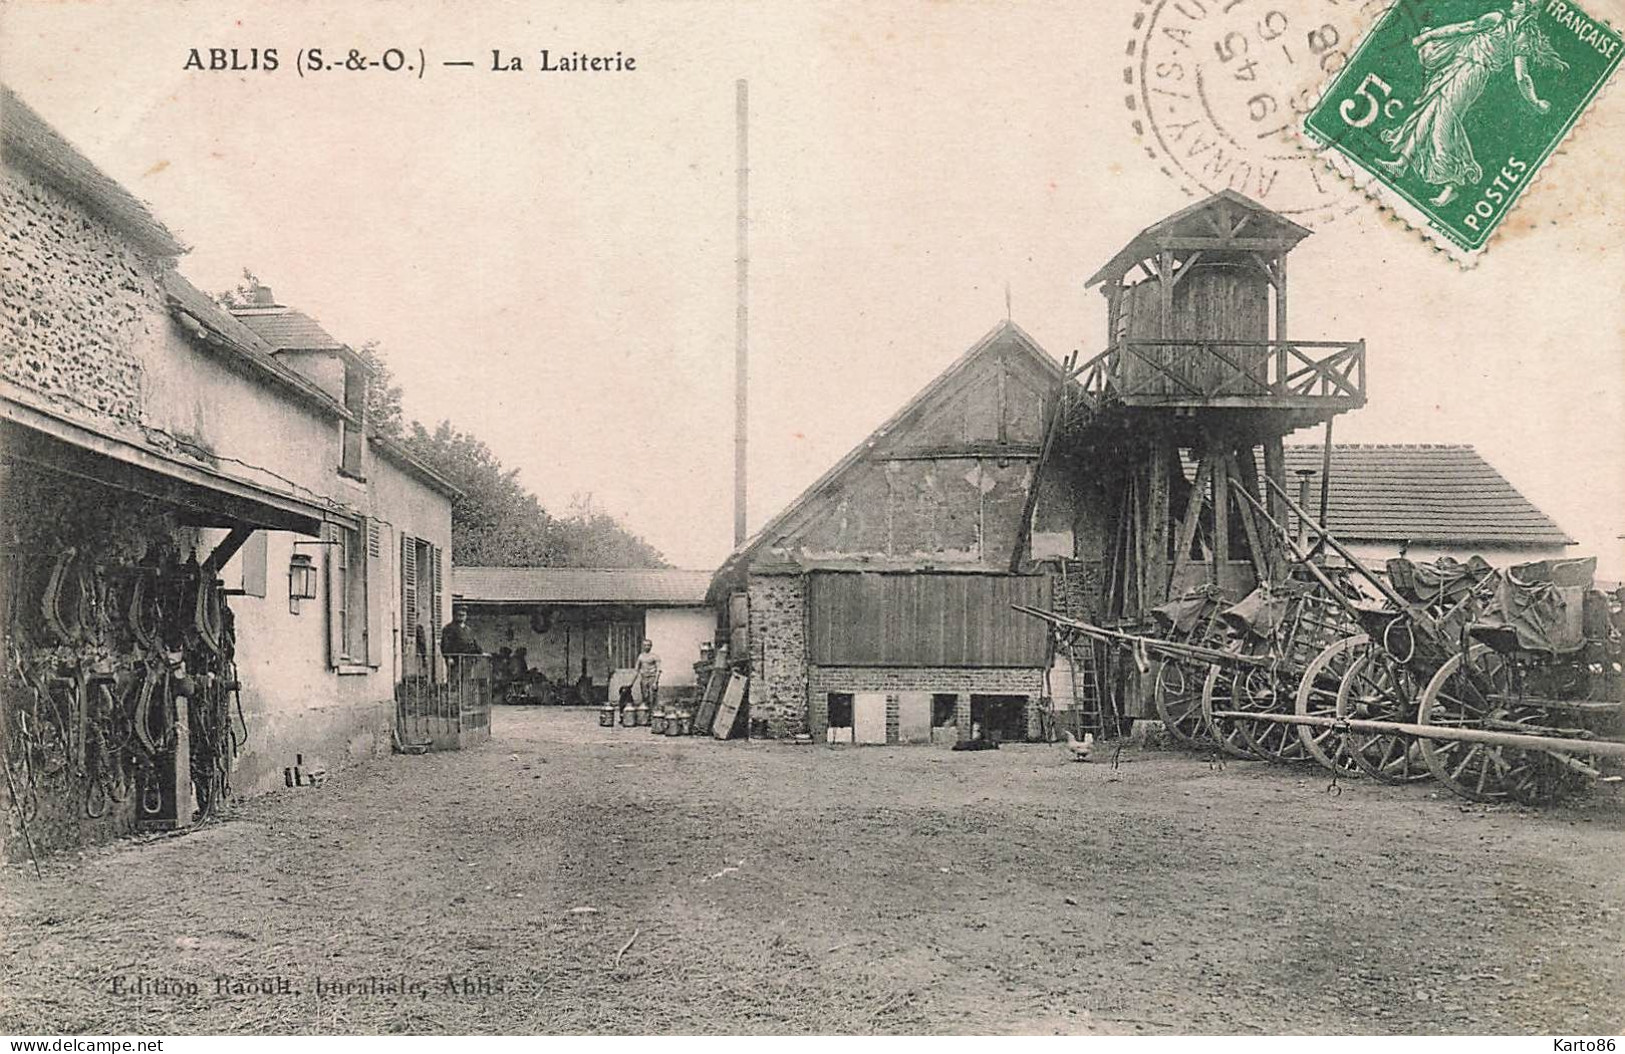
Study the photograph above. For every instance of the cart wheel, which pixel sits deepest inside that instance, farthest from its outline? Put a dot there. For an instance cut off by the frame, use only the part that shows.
(1317, 697)
(1217, 692)
(1470, 690)
(1178, 695)
(1376, 688)
(1263, 691)
(1539, 777)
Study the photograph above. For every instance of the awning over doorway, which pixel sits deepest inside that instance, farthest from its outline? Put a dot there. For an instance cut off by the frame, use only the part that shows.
(207, 497)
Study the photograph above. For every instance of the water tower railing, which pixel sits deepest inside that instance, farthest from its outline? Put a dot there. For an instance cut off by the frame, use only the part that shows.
(1194, 372)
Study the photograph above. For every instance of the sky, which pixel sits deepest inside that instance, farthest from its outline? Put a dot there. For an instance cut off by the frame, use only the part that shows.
(547, 259)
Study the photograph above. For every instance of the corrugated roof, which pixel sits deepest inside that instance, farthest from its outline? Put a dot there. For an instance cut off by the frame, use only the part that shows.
(1427, 494)
(581, 585)
(288, 330)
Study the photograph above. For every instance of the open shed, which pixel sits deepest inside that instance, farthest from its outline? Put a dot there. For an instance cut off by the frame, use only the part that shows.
(557, 634)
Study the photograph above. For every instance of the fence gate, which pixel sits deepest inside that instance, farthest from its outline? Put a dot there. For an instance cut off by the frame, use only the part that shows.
(445, 715)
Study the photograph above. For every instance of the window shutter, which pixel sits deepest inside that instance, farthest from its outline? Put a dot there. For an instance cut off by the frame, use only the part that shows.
(254, 563)
(377, 590)
(438, 617)
(334, 556)
(409, 603)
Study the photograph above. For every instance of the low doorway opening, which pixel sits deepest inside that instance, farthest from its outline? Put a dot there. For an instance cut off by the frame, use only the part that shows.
(999, 718)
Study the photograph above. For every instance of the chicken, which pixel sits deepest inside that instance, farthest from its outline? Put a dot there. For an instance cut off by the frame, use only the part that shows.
(1080, 748)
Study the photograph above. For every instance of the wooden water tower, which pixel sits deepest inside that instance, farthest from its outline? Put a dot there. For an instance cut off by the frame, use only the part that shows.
(1195, 391)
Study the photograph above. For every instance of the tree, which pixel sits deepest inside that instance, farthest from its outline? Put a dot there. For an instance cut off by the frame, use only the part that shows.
(384, 413)
(240, 295)
(496, 522)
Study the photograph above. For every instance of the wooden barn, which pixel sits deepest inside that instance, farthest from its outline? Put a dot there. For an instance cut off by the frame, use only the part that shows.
(882, 596)
(878, 603)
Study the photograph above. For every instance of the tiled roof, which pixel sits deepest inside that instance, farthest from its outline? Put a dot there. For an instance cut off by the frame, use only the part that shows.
(580, 585)
(1422, 493)
(288, 330)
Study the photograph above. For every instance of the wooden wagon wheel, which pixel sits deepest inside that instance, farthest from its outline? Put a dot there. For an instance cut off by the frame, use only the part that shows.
(1318, 691)
(1475, 689)
(1265, 691)
(1178, 697)
(1377, 688)
(1217, 694)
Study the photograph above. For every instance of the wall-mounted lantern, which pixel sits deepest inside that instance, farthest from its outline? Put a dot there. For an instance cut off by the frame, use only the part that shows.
(301, 580)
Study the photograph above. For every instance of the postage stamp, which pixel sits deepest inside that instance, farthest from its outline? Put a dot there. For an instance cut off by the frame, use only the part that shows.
(1451, 107)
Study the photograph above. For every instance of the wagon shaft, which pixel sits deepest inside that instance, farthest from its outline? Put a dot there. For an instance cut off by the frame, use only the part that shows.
(1599, 747)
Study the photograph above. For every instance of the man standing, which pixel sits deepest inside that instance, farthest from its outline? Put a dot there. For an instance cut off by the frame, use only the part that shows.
(647, 676)
(457, 641)
(457, 638)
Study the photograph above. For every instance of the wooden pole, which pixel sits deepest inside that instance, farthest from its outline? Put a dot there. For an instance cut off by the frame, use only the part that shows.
(742, 309)
(1600, 747)
(1326, 471)
(1187, 525)
(1255, 538)
(1156, 517)
(1221, 511)
(1280, 324)
(1275, 468)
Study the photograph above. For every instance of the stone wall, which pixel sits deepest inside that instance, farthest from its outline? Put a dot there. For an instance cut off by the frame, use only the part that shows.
(79, 301)
(1078, 591)
(778, 659)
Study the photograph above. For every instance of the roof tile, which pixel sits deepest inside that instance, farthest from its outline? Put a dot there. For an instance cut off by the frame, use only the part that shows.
(1424, 493)
(581, 585)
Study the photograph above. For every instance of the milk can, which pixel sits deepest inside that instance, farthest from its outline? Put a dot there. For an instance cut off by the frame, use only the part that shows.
(657, 721)
(640, 714)
(685, 722)
(673, 723)
(606, 715)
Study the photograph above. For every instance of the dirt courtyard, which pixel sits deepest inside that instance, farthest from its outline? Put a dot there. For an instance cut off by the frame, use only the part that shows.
(568, 878)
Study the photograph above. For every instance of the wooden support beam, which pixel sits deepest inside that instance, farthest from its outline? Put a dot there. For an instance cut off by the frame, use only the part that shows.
(1162, 464)
(233, 541)
(1165, 267)
(1221, 509)
(1279, 245)
(1244, 512)
(1270, 549)
(1193, 516)
(1137, 537)
(1184, 268)
(1280, 322)
(1275, 469)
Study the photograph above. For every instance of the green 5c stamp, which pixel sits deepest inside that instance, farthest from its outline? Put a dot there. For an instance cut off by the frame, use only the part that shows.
(1450, 107)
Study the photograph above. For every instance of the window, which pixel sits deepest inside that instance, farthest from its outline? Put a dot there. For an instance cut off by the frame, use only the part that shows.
(351, 555)
(420, 605)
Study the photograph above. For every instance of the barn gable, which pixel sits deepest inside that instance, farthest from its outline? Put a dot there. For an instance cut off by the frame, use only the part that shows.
(943, 482)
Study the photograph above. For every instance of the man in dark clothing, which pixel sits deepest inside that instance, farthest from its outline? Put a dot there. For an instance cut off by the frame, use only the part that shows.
(457, 638)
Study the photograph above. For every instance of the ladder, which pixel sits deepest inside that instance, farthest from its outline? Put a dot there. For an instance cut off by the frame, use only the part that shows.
(1086, 695)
